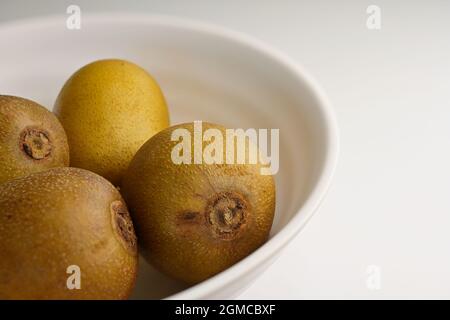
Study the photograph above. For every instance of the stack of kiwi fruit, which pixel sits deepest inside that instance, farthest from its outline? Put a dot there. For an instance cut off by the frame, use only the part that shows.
(92, 185)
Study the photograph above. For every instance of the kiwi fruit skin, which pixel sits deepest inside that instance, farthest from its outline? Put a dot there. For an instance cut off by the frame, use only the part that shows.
(31, 139)
(61, 217)
(179, 210)
(109, 108)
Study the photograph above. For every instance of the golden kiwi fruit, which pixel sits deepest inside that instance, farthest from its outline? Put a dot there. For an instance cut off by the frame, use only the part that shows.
(31, 139)
(60, 220)
(195, 220)
(109, 108)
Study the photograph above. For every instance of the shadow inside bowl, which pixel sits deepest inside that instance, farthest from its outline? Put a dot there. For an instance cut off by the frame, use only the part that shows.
(149, 277)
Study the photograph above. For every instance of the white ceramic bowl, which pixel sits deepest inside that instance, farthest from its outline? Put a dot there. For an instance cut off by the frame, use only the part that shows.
(207, 73)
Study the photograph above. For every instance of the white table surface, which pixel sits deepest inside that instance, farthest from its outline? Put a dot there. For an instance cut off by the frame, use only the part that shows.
(389, 205)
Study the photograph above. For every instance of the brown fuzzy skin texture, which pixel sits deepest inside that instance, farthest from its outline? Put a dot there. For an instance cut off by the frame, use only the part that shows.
(22, 122)
(51, 220)
(109, 109)
(180, 210)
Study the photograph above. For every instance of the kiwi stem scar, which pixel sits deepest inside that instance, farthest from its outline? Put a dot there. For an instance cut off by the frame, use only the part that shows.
(35, 143)
(227, 214)
(123, 226)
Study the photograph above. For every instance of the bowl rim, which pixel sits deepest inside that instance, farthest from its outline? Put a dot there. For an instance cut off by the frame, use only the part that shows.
(322, 184)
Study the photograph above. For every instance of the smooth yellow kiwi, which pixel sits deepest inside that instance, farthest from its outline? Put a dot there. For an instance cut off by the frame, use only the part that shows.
(31, 139)
(195, 220)
(109, 108)
(59, 222)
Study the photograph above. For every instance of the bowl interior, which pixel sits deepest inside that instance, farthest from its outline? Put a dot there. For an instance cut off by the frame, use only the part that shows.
(204, 76)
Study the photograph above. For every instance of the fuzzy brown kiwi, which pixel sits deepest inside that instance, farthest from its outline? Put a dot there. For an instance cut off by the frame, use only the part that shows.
(31, 139)
(109, 108)
(195, 220)
(59, 218)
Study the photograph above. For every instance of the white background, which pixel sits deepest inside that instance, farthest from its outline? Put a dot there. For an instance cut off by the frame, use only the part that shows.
(389, 205)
